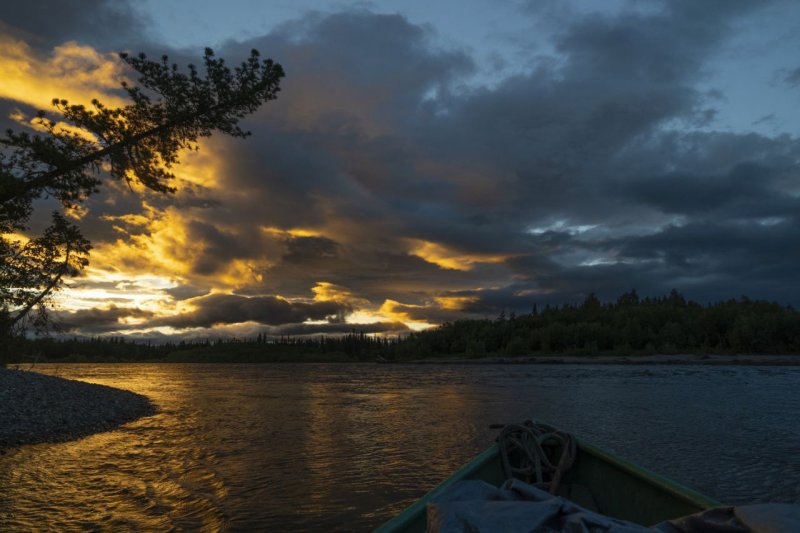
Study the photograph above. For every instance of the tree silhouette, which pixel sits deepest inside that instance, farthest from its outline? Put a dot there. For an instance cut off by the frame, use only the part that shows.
(139, 142)
(670, 324)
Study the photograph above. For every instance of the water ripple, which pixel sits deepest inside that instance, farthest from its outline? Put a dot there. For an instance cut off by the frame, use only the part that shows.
(344, 447)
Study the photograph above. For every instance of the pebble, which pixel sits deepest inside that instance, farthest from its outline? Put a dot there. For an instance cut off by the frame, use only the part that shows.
(38, 408)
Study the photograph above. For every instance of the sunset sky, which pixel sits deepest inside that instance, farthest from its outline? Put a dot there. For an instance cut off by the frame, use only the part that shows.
(429, 161)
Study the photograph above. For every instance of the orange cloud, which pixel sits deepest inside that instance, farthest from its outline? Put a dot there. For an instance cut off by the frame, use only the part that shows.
(455, 303)
(163, 248)
(292, 232)
(72, 71)
(400, 312)
(62, 127)
(199, 167)
(450, 259)
(330, 292)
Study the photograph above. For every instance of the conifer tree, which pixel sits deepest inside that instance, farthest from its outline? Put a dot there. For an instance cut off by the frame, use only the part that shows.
(169, 111)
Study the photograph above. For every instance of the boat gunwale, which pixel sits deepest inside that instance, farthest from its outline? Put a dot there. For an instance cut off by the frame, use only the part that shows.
(674, 489)
(421, 504)
(677, 490)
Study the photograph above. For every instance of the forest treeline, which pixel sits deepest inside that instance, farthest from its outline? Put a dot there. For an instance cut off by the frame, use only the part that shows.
(353, 346)
(630, 325)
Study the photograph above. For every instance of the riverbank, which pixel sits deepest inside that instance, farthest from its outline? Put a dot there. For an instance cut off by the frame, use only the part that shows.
(36, 408)
(657, 359)
(681, 359)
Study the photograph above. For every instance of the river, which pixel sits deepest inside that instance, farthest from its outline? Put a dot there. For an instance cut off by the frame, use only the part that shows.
(344, 447)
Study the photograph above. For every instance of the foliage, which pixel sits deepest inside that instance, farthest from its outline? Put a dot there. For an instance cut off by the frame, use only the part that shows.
(39, 263)
(355, 346)
(137, 143)
(628, 326)
(631, 325)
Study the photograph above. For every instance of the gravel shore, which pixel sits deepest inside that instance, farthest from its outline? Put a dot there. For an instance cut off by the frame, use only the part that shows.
(38, 408)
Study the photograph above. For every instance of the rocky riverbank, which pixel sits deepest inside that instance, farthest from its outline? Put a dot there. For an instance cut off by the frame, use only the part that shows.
(37, 408)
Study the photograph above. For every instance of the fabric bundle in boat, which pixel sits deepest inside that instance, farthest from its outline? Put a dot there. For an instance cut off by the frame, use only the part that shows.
(516, 506)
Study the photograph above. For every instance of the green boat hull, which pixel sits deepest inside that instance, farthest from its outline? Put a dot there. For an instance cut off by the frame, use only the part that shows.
(598, 480)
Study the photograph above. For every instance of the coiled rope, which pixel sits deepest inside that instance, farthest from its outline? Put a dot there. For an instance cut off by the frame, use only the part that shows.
(536, 453)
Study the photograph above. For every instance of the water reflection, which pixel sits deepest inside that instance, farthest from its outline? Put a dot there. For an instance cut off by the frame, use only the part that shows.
(310, 447)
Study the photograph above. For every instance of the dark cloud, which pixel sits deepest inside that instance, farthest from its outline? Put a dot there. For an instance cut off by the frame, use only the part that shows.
(713, 249)
(47, 23)
(310, 250)
(217, 309)
(185, 292)
(747, 189)
(98, 320)
(766, 119)
(792, 77)
(220, 246)
(582, 140)
(339, 329)
(596, 169)
(428, 312)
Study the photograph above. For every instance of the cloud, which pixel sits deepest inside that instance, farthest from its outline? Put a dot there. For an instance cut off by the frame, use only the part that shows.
(70, 71)
(766, 119)
(746, 189)
(95, 22)
(339, 328)
(448, 258)
(310, 250)
(100, 320)
(792, 77)
(420, 316)
(216, 309)
(386, 181)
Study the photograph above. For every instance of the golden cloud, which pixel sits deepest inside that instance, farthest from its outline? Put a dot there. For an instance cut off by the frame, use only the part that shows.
(330, 292)
(61, 127)
(455, 303)
(97, 287)
(163, 248)
(292, 232)
(72, 71)
(200, 167)
(395, 311)
(449, 258)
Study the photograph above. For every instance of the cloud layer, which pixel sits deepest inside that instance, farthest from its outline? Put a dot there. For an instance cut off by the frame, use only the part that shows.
(385, 187)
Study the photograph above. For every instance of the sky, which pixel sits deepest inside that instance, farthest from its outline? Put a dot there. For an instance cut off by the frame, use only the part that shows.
(432, 161)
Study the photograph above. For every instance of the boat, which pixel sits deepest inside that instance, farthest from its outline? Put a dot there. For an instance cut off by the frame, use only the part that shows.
(597, 480)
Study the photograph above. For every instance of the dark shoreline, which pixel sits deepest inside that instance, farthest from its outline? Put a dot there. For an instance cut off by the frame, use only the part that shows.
(682, 359)
(36, 408)
(657, 359)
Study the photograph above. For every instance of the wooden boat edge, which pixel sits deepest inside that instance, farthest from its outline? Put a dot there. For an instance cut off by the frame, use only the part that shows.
(677, 490)
(421, 505)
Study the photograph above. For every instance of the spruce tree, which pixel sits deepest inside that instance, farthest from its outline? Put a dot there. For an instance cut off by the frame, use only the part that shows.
(169, 111)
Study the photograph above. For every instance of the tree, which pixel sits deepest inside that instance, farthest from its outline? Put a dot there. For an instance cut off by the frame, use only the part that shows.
(33, 270)
(139, 143)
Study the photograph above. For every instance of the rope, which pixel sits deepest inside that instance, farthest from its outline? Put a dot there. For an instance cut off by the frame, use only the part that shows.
(534, 448)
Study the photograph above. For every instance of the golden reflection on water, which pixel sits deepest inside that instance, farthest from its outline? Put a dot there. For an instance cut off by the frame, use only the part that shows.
(148, 474)
(325, 447)
(383, 426)
(283, 442)
(324, 434)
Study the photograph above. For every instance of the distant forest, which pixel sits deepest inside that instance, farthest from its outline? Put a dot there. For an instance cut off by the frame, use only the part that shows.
(629, 326)
(260, 349)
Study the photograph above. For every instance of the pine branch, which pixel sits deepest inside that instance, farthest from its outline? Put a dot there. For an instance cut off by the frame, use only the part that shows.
(49, 287)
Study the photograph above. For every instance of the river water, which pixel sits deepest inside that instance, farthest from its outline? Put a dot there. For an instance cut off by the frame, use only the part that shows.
(345, 447)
